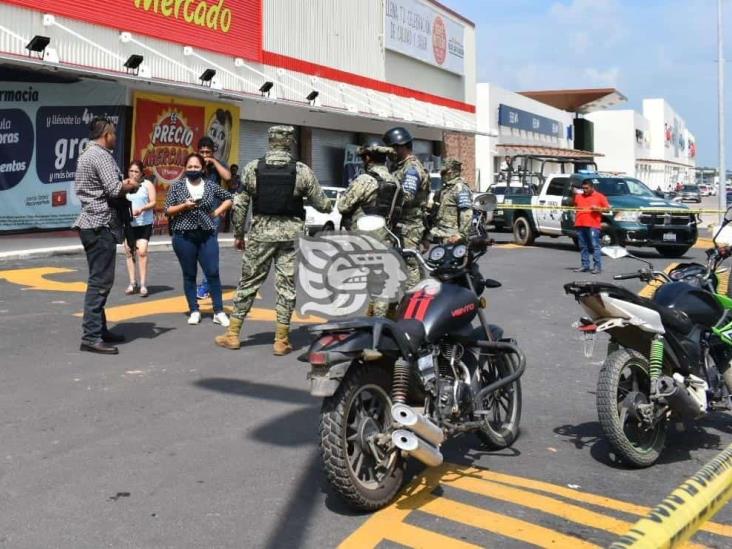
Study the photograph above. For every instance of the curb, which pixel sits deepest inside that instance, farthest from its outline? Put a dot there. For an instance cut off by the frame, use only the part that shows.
(78, 249)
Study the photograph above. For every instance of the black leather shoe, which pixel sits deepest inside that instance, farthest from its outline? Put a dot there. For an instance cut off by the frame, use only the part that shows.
(111, 337)
(99, 347)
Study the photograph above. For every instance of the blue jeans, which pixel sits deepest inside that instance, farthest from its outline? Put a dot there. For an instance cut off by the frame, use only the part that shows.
(192, 248)
(589, 242)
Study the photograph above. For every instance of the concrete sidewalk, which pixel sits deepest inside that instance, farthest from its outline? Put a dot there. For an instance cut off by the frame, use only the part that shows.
(14, 248)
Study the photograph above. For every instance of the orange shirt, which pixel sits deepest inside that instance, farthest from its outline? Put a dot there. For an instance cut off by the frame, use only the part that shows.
(586, 217)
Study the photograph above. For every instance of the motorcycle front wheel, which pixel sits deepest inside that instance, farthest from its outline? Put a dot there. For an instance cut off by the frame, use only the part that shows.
(501, 424)
(625, 382)
(358, 469)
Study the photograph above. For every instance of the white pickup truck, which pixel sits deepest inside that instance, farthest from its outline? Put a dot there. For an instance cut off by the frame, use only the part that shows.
(669, 227)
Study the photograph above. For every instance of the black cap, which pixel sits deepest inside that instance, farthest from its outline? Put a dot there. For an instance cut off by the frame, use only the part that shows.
(397, 136)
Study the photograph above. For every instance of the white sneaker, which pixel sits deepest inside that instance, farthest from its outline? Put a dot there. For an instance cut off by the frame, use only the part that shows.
(194, 318)
(221, 318)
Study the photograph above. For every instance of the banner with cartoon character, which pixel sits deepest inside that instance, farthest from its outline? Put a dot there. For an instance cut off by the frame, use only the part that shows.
(166, 129)
(43, 129)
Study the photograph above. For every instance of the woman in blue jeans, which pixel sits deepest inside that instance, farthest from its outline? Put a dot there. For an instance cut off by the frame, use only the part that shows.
(190, 208)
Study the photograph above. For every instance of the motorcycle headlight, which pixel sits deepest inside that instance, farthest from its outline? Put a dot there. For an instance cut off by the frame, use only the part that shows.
(627, 216)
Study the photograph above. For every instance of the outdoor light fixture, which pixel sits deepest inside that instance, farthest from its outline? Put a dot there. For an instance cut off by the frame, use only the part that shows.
(38, 44)
(312, 96)
(133, 63)
(206, 77)
(266, 87)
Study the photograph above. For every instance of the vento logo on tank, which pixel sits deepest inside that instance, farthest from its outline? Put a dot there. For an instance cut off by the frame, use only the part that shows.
(439, 40)
(171, 141)
(212, 15)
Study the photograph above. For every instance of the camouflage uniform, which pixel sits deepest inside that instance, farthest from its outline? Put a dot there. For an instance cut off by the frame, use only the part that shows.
(271, 237)
(454, 208)
(361, 192)
(415, 183)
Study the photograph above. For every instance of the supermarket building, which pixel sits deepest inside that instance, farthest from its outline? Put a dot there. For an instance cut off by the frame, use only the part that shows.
(170, 71)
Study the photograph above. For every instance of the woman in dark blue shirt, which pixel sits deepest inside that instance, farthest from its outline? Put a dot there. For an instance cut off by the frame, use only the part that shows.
(190, 206)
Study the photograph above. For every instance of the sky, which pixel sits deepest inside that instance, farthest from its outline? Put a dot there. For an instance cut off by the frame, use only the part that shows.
(644, 48)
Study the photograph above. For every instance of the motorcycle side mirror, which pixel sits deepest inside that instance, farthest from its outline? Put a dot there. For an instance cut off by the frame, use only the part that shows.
(370, 223)
(614, 252)
(728, 215)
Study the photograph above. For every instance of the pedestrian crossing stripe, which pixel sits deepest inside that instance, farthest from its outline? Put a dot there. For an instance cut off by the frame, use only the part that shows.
(571, 505)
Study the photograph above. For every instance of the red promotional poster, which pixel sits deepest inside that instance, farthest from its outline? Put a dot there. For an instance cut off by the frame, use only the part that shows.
(166, 129)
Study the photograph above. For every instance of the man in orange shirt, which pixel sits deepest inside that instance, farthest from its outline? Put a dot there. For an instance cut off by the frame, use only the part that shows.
(588, 221)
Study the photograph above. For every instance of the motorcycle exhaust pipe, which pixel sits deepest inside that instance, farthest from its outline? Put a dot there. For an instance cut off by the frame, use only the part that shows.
(417, 447)
(678, 398)
(417, 423)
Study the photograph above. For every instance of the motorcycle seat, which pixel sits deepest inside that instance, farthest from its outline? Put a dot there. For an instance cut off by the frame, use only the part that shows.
(676, 320)
(414, 332)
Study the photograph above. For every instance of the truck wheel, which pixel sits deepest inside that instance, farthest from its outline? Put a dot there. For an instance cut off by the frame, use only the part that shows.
(523, 234)
(672, 251)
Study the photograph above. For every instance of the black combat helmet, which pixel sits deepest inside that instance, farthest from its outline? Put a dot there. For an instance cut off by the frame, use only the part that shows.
(397, 136)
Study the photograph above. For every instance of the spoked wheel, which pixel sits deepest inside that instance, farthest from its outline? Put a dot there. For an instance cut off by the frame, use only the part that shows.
(501, 423)
(357, 466)
(622, 398)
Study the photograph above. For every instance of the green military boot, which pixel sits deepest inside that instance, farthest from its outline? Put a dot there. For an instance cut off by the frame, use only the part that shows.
(230, 340)
(282, 345)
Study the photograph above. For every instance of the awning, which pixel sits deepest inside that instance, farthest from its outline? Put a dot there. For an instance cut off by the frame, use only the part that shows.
(668, 162)
(534, 150)
(581, 101)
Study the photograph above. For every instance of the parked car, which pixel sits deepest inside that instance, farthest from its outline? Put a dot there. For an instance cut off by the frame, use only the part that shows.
(316, 221)
(705, 190)
(689, 193)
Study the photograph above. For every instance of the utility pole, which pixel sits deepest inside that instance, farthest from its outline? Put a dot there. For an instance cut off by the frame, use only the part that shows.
(720, 92)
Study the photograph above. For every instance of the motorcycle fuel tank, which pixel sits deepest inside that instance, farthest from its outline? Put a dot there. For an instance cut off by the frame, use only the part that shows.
(442, 308)
(699, 305)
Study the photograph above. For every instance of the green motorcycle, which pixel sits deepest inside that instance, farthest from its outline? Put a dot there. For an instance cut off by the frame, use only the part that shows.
(669, 356)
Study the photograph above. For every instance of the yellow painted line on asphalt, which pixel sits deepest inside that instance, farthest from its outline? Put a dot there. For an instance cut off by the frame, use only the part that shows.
(585, 497)
(650, 288)
(422, 495)
(36, 279)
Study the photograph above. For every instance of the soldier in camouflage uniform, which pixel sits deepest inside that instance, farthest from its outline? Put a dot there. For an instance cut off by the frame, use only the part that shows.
(453, 206)
(276, 187)
(415, 182)
(376, 192)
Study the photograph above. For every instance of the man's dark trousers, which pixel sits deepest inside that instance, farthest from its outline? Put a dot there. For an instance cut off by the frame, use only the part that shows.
(101, 253)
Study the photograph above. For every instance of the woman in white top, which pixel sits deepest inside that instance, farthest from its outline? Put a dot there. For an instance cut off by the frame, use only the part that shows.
(143, 204)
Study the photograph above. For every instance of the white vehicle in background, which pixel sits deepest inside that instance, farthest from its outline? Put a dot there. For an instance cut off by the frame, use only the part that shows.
(705, 190)
(316, 221)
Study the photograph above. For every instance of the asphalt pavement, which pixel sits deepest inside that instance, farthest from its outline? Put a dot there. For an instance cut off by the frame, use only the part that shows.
(177, 443)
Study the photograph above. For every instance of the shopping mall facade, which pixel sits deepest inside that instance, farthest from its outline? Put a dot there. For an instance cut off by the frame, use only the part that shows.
(170, 71)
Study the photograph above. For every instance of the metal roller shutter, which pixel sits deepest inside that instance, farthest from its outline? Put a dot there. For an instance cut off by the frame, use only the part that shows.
(328, 148)
(253, 140)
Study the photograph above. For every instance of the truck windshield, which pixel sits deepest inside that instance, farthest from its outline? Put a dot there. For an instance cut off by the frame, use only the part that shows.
(619, 187)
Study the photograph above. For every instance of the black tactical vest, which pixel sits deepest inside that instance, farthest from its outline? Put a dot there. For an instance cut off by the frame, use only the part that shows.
(276, 191)
(386, 202)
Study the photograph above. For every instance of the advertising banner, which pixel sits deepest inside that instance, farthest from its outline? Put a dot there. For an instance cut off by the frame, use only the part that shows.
(416, 29)
(523, 120)
(166, 129)
(232, 27)
(43, 128)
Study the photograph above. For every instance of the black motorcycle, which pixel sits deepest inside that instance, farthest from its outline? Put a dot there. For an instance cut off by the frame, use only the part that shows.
(395, 389)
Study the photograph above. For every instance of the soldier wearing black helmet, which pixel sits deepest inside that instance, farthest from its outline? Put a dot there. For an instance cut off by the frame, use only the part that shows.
(415, 182)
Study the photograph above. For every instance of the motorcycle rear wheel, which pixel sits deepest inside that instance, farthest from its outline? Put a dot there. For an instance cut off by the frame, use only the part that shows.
(624, 375)
(500, 428)
(360, 407)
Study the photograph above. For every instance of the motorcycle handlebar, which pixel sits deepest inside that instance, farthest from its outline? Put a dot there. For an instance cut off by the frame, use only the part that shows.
(628, 276)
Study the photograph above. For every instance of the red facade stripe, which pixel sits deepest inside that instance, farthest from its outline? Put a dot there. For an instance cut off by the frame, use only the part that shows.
(243, 39)
(306, 67)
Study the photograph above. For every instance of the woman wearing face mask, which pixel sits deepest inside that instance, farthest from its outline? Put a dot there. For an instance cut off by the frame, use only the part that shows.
(190, 207)
(143, 204)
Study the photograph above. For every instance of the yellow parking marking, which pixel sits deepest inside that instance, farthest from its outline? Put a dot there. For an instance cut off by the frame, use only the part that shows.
(179, 305)
(650, 288)
(35, 279)
(511, 246)
(423, 495)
